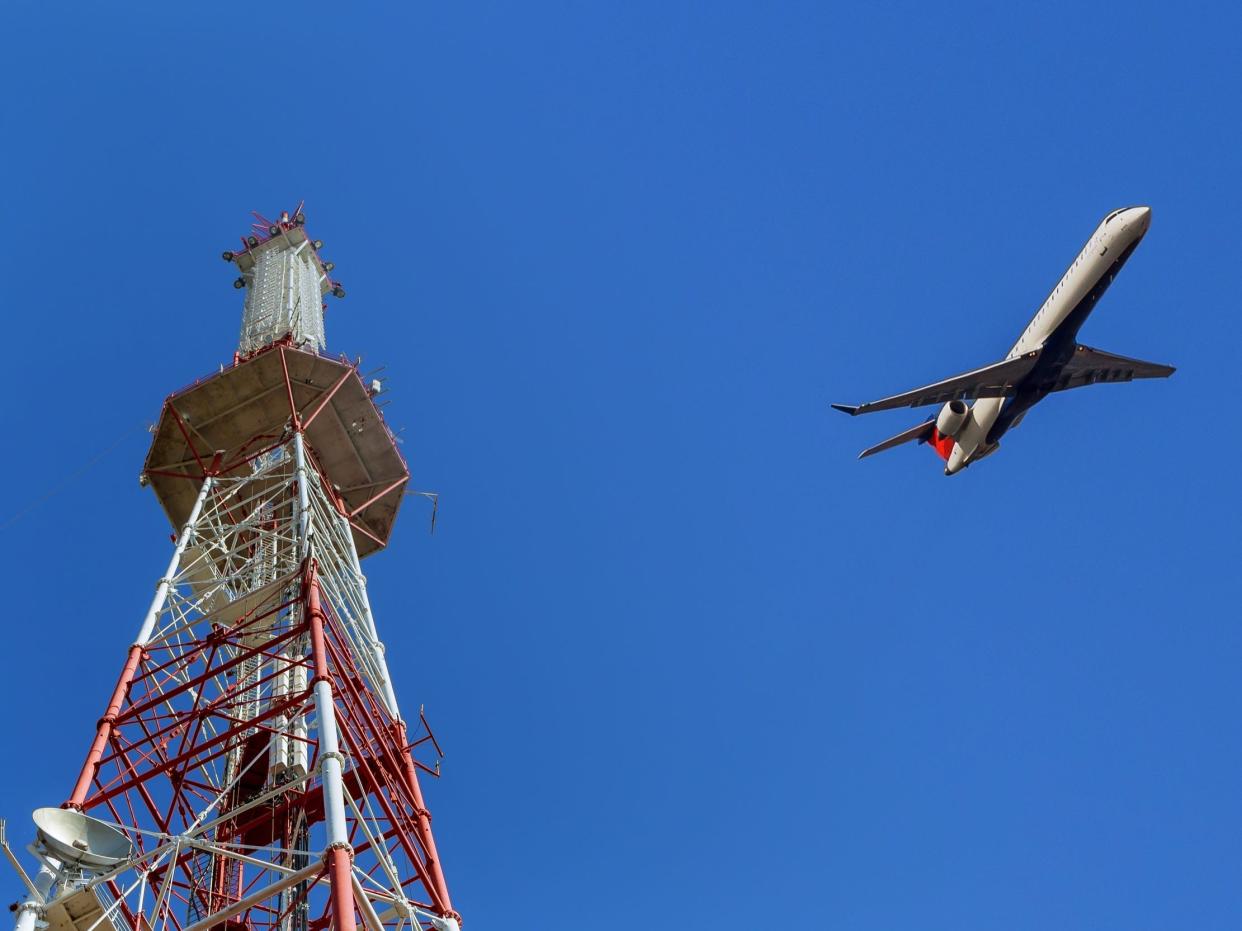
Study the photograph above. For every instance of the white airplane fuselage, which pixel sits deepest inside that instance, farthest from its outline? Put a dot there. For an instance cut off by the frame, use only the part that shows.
(1053, 329)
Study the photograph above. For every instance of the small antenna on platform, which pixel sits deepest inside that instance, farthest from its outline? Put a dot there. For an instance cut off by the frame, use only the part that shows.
(434, 498)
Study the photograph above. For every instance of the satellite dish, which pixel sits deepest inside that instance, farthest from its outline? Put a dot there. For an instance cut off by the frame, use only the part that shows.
(80, 839)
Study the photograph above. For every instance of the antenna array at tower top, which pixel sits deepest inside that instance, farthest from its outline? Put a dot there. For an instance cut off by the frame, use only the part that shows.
(285, 278)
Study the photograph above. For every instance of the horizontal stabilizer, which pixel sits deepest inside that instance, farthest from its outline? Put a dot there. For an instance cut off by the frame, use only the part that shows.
(992, 381)
(1093, 366)
(921, 433)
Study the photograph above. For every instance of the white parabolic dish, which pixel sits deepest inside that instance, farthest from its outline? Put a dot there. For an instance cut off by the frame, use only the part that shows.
(77, 838)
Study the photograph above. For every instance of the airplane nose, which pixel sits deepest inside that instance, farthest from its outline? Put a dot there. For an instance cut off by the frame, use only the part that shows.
(1142, 217)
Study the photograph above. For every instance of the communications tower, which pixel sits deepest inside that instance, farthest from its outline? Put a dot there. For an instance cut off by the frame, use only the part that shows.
(252, 770)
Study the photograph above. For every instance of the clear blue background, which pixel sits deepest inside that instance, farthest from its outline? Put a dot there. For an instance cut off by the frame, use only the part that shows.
(693, 664)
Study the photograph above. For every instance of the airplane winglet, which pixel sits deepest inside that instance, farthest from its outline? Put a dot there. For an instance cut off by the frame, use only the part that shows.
(852, 410)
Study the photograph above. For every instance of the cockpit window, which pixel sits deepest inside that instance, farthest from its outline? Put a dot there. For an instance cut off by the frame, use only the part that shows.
(1115, 214)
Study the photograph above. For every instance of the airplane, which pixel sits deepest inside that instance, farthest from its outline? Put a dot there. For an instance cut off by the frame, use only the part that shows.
(1047, 357)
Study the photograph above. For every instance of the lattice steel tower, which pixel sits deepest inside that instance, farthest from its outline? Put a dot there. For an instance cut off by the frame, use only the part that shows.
(252, 770)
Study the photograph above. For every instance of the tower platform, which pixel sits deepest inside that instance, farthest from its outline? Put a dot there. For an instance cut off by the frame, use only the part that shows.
(221, 424)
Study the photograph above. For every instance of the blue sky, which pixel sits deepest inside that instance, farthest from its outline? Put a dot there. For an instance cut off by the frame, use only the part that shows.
(693, 665)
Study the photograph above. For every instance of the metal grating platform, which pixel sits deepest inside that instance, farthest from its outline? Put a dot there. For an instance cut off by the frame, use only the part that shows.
(224, 422)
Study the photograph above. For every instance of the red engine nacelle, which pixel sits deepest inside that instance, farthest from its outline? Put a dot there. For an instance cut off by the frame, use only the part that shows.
(949, 423)
(943, 445)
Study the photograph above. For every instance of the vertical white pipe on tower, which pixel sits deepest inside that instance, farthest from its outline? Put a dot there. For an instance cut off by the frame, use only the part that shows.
(303, 512)
(330, 758)
(331, 765)
(373, 640)
(298, 756)
(165, 585)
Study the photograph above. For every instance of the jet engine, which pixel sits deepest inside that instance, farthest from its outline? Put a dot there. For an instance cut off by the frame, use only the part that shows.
(951, 418)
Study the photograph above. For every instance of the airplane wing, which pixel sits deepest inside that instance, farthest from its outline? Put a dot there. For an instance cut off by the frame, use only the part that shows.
(1091, 366)
(992, 381)
(921, 432)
